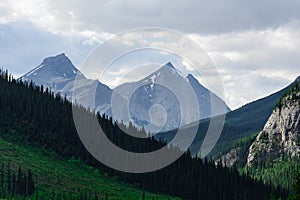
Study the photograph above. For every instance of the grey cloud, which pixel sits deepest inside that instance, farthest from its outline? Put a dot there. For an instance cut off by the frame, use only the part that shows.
(186, 16)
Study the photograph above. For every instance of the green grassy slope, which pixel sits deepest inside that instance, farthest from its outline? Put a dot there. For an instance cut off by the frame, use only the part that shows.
(53, 173)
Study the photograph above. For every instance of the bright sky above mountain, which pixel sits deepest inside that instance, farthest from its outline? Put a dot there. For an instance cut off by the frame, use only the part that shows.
(254, 44)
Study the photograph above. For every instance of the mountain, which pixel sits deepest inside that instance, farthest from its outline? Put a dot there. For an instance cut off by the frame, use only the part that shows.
(272, 154)
(162, 101)
(166, 99)
(281, 133)
(207, 100)
(239, 124)
(275, 152)
(53, 72)
(44, 122)
(59, 74)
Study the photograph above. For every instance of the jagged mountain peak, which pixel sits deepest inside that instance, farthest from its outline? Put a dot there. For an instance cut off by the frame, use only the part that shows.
(169, 64)
(60, 63)
(171, 89)
(191, 78)
(59, 74)
(60, 57)
(194, 82)
(59, 66)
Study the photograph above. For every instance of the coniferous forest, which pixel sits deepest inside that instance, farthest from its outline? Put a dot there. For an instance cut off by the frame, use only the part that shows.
(45, 120)
(15, 184)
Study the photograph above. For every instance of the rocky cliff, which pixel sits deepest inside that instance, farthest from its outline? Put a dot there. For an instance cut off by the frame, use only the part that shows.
(281, 134)
(229, 159)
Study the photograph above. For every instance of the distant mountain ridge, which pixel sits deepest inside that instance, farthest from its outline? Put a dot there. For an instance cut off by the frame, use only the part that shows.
(151, 105)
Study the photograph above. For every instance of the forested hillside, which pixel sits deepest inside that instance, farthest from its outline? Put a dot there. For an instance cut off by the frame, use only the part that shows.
(276, 150)
(239, 124)
(14, 183)
(56, 178)
(272, 155)
(34, 116)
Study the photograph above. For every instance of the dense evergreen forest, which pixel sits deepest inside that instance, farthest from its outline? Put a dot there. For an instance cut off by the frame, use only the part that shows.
(45, 120)
(15, 185)
(278, 172)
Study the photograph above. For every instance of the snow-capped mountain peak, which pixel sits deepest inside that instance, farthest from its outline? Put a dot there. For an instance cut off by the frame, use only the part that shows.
(53, 68)
(170, 89)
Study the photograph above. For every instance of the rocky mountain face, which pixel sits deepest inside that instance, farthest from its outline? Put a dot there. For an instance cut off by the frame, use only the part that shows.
(59, 74)
(155, 102)
(281, 133)
(166, 99)
(54, 72)
(231, 158)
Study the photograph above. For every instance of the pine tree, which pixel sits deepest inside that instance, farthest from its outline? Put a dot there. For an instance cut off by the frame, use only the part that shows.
(14, 185)
(8, 178)
(143, 195)
(296, 189)
(30, 184)
(2, 182)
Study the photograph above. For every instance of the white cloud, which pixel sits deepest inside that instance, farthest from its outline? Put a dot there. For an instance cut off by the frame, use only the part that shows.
(254, 63)
(119, 15)
(255, 44)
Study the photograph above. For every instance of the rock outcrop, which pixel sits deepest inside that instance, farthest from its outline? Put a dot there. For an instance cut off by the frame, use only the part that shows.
(231, 158)
(281, 134)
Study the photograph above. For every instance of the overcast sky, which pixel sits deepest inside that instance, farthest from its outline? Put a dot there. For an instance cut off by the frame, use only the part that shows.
(254, 44)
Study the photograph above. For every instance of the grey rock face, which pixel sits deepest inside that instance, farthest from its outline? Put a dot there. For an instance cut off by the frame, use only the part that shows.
(157, 102)
(59, 74)
(280, 134)
(229, 159)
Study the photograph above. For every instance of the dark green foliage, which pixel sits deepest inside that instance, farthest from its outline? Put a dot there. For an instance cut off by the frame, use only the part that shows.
(278, 172)
(15, 186)
(296, 188)
(264, 137)
(291, 95)
(45, 120)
